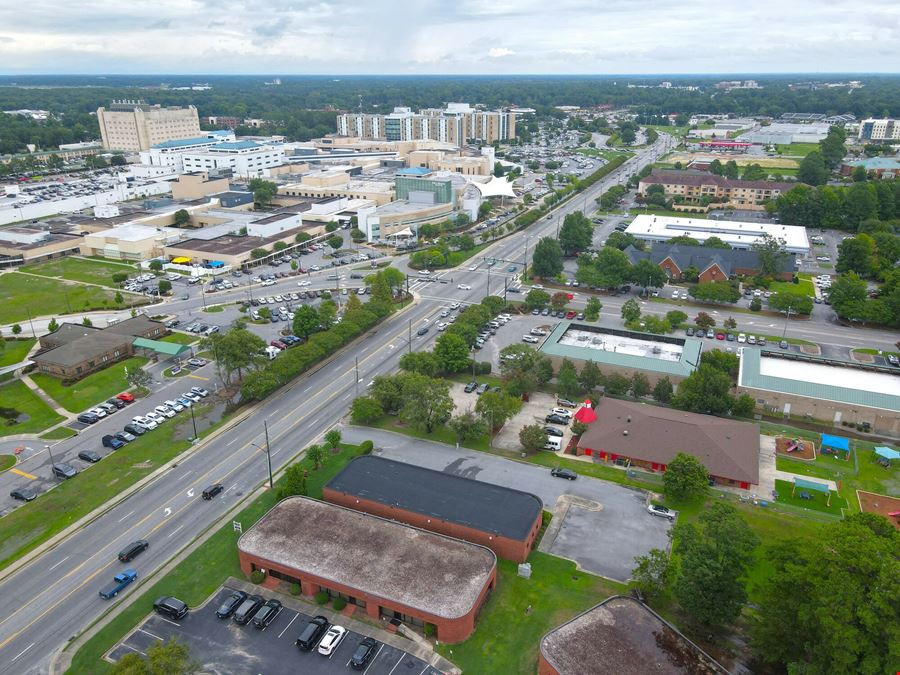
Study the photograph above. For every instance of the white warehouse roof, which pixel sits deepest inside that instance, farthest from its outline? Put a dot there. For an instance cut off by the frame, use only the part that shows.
(736, 233)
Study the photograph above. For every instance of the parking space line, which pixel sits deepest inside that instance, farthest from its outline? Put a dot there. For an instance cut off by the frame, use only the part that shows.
(380, 647)
(427, 666)
(289, 624)
(151, 634)
(168, 621)
(397, 664)
(19, 472)
(134, 649)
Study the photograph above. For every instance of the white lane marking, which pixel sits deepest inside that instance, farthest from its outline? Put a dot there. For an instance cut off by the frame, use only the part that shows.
(231, 488)
(232, 441)
(59, 563)
(171, 622)
(425, 668)
(289, 625)
(151, 634)
(172, 533)
(190, 493)
(125, 516)
(167, 512)
(395, 665)
(23, 651)
(186, 474)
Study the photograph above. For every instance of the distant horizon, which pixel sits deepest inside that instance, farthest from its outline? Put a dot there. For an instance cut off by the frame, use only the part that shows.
(734, 74)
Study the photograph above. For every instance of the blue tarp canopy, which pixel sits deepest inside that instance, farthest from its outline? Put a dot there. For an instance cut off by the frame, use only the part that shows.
(836, 442)
(804, 484)
(887, 453)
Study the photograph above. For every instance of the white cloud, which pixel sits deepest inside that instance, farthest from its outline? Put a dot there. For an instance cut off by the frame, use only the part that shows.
(567, 36)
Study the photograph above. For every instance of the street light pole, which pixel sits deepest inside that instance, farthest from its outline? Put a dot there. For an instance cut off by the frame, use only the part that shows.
(52, 461)
(193, 421)
(357, 377)
(268, 454)
(410, 337)
(786, 319)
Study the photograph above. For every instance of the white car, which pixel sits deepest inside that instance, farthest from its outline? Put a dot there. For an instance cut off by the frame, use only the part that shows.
(331, 640)
(454, 306)
(538, 287)
(441, 326)
(530, 339)
(445, 314)
(473, 268)
(314, 268)
(304, 282)
(661, 511)
(464, 287)
(165, 411)
(156, 417)
(144, 422)
(191, 396)
(562, 412)
(175, 405)
(99, 412)
(742, 337)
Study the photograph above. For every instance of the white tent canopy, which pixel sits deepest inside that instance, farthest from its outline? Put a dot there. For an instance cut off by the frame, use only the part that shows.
(402, 233)
(495, 187)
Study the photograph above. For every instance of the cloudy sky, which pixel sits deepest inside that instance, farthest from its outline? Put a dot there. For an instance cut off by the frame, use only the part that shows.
(449, 36)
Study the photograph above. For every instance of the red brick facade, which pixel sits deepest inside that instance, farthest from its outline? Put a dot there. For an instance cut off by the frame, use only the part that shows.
(504, 547)
(451, 630)
(712, 273)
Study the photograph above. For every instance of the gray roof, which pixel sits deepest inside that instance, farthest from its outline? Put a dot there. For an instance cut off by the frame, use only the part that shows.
(69, 332)
(686, 365)
(436, 574)
(623, 636)
(464, 501)
(135, 326)
(702, 257)
(751, 376)
(79, 351)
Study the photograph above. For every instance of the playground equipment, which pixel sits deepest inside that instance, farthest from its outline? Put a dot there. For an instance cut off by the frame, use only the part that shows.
(793, 445)
(810, 485)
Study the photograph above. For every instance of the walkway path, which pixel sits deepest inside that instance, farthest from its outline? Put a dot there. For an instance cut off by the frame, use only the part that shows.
(58, 409)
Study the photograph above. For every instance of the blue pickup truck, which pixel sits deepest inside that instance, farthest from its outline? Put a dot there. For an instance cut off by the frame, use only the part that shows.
(120, 581)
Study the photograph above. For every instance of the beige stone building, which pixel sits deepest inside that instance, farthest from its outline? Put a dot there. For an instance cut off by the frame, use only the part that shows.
(135, 126)
(338, 183)
(197, 185)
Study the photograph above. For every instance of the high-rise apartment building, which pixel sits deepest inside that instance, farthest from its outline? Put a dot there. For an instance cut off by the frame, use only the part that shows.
(135, 126)
(879, 130)
(458, 124)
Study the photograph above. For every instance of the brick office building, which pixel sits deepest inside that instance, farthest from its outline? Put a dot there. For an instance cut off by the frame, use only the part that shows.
(391, 571)
(504, 520)
(710, 264)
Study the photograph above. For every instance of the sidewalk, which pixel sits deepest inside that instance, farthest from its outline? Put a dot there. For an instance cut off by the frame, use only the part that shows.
(58, 409)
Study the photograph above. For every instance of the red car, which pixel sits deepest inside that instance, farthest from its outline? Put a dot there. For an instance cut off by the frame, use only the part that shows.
(720, 336)
(570, 314)
(278, 343)
(125, 396)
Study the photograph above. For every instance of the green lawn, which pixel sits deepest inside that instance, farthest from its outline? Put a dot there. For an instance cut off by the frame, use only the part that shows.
(677, 132)
(21, 294)
(805, 286)
(605, 154)
(35, 522)
(179, 338)
(214, 309)
(507, 638)
(17, 396)
(91, 390)
(658, 211)
(819, 501)
(14, 351)
(58, 434)
(7, 462)
(797, 149)
(876, 352)
(203, 571)
(81, 269)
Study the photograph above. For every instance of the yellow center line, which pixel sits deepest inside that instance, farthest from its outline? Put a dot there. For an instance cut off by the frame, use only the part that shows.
(18, 472)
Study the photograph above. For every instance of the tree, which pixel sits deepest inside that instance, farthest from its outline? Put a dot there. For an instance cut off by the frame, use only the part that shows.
(647, 274)
(451, 353)
(640, 385)
(662, 390)
(423, 363)
(616, 384)
(520, 367)
(182, 217)
(119, 277)
(592, 309)
(263, 191)
(716, 242)
(86, 322)
(859, 174)
(676, 317)
(558, 300)
(467, 426)
(426, 402)
(715, 167)
(730, 323)
(829, 605)
(812, 169)
(755, 304)
(716, 291)
(856, 255)
(715, 555)
(727, 362)
(832, 147)
(496, 407)
(165, 286)
(731, 169)
(138, 377)
(704, 391)
(258, 253)
(156, 265)
(797, 303)
(547, 260)
(163, 658)
(118, 299)
(532, 437)
(631, 310)
(651, 573)
(848, 294)
(331, 227)
(754, 172)
(333, 438)
(567, 379)
(365, 410)
(357, 235)
(685, 478)
(302, 237)
(316, 454)
(294, 482)
(576, 233)
(704, 320)
(16, 329)
(590, 376)
(608, 268)
(327, 314)
(335, 241)
(536, 299)
(116, 160)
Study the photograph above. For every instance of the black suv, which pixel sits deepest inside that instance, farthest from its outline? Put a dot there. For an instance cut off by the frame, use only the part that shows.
(63, 470)
(212, 491)
(312, 633)
(556, 419)
(267, 613)
(247, 609)
(170, 607)
(363, 653)
(133, 550)
(231, 603)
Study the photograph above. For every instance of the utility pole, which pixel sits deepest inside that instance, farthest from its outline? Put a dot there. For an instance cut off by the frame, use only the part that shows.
(30, 322)
(268, 454)
(410, 336)
(357, 377)
(193, 421)
(786, 319)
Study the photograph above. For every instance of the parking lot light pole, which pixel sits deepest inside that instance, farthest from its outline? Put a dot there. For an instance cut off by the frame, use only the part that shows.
(52, 461)
(786, 319)
(194, 422)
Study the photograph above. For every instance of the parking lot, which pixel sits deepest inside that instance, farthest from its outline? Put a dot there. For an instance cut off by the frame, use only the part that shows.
(222, 646)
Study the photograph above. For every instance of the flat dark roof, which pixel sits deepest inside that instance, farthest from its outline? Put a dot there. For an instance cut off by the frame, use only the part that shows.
(623, 636)
(486, 507)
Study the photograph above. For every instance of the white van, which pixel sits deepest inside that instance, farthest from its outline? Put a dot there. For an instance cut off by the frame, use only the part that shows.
(553, 443)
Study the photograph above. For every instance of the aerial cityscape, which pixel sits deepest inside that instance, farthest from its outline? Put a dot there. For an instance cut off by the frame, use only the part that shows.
(487, 338)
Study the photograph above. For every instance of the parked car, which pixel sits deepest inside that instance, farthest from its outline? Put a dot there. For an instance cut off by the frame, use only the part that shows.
(553, 431)
(312, 633)
(126, 396)
(483, 387)
(119, 404)
(559, 472)
(557, 419)
(566, 403)
(164, 411)
(89, 456)
(471, 386)
(230, 604)
(23, 494)
(247, 609)
(267, 613)
(562, 412)
(88, 418)
(170, 607)
(363, 653)
(661, 511)
(332, 639)
(64, 471)
(200, 391)
(133, 550)
(134, 430)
